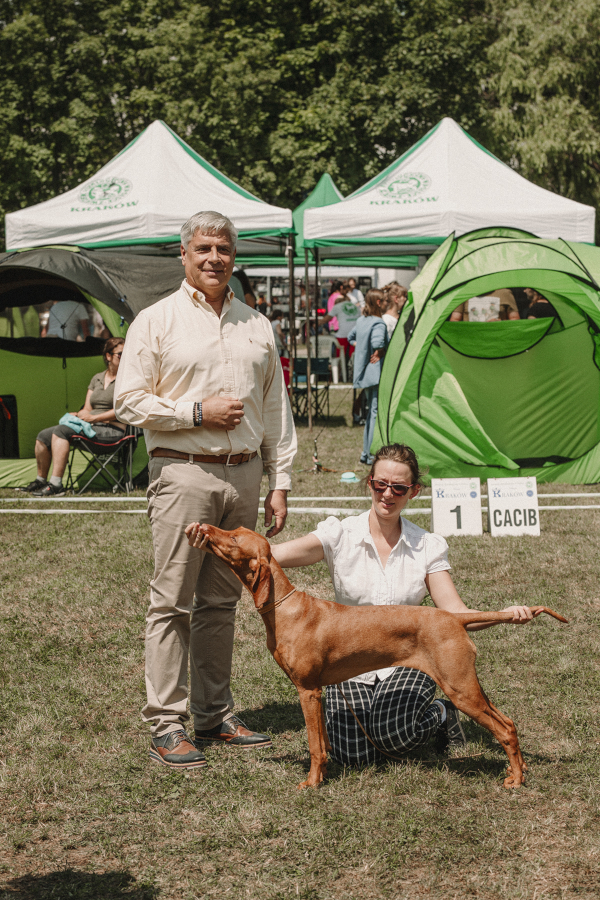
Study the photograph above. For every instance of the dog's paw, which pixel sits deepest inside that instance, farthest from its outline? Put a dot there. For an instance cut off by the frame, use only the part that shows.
(512, 780)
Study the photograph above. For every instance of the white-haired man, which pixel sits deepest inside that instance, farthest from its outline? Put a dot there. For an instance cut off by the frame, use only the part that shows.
(201, 374)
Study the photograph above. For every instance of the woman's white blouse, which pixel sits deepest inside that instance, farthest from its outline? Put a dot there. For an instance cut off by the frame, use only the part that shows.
(358, 577)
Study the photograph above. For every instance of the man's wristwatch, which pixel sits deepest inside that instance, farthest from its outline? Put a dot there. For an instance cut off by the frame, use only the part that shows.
(197, 414)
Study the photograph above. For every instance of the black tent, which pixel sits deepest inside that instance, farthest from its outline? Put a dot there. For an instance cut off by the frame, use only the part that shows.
(42, 378)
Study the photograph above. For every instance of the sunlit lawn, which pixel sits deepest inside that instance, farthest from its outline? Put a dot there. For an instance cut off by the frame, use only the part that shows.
(84, 814)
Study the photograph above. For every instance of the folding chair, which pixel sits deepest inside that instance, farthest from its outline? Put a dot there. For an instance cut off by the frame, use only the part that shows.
(319, 382)
(328, 345)
(100, 455)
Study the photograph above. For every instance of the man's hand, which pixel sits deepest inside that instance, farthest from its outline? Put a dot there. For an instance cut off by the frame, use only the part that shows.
(222, 412)
(275, 505)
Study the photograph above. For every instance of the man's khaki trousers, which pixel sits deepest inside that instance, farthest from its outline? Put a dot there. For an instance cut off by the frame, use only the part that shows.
(193, 595)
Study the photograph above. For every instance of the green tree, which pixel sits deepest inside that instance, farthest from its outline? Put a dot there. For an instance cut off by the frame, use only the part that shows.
(543, 93)
(278, 91)
(273, 93)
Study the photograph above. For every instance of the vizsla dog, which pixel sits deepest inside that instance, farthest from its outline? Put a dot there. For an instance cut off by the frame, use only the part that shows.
(317, 642)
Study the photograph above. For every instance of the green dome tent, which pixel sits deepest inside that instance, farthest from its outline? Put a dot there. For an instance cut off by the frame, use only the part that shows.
(496, 399)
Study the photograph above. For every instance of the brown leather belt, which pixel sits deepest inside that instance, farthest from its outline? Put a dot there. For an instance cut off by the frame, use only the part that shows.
(223, 460)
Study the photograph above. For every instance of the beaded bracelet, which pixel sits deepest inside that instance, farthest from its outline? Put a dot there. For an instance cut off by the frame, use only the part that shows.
(197, 414)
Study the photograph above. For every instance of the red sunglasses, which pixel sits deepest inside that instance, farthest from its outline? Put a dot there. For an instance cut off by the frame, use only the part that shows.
(398, 490)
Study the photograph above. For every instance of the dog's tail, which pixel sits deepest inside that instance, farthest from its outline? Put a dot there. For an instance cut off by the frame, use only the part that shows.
(479, 618)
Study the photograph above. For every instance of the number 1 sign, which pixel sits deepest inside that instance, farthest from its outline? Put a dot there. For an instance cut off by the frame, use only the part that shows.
(456, 506)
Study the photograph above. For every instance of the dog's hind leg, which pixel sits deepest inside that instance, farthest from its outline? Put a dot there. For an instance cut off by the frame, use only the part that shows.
(310, 700)
(471, 700)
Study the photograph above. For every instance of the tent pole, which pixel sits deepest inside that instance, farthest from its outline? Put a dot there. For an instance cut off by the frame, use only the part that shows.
(292, 313)
(308, 351)
(317, 293)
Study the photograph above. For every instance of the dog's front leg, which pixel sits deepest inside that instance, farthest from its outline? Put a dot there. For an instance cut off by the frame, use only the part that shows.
(315, 728)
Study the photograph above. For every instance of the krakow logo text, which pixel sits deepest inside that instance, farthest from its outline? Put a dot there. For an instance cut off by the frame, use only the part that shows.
(105, 193)
(406, 187)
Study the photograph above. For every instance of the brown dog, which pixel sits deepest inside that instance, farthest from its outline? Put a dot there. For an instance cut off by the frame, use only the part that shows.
(317, 642)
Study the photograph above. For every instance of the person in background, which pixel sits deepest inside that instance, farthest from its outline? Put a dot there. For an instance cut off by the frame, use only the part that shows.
(52, 444)
(280, 343)
(100, 329)
(539, 307)
(334, 296)
(241, 287)
(261, 306)
(355, 294)
(340, 296)
(370, 335)
(508, 307)
(346, 314)
(395, 298)
(65, 320)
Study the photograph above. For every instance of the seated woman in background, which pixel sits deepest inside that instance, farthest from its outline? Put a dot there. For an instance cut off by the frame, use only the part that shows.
(382, 559)
(52, 444)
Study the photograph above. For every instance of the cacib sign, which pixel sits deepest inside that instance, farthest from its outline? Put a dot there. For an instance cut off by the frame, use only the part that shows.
(513, 506)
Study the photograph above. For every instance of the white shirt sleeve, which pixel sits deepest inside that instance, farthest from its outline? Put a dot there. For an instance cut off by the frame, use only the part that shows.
(436, 554)
(329, 533)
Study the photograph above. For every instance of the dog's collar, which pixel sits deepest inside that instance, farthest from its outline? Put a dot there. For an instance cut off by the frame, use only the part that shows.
(269, 606)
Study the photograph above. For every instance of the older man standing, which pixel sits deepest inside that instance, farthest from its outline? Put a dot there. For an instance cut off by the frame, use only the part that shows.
(201, 374)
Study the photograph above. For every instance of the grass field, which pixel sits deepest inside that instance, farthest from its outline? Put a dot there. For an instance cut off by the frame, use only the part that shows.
(84, 814)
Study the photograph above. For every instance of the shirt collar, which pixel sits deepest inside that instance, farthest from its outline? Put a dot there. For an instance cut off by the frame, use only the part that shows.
(364, 532)
(198, 298)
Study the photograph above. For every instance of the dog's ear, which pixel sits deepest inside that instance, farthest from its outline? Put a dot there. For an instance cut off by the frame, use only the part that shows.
(263, 580)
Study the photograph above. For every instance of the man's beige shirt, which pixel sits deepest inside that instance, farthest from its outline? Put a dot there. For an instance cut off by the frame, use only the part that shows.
(179, 351)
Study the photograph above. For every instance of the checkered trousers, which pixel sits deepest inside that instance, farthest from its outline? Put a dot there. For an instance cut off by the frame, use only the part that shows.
(397, 714)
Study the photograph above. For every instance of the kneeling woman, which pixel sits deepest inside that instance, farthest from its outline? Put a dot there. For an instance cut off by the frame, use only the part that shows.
(380, 559)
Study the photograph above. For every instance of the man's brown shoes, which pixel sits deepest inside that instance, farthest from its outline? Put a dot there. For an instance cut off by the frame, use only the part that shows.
(233, 732)
(177, 751)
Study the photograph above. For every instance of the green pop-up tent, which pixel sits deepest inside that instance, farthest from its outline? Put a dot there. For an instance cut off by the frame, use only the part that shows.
(497, 399)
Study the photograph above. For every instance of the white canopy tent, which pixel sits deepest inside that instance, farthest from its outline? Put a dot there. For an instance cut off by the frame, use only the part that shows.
(141, 198)
(447, 182)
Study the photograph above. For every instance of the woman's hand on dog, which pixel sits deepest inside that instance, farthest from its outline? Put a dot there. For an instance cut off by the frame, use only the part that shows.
(522, 615)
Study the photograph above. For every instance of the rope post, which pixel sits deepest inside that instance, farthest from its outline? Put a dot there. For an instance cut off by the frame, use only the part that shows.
(308, 350)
